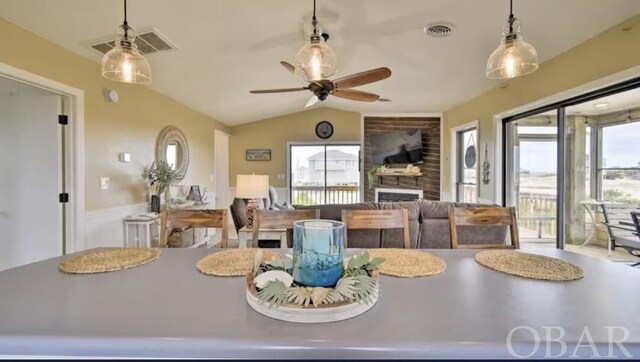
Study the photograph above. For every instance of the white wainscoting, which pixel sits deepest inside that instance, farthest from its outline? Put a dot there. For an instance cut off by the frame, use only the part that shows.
(104, 228)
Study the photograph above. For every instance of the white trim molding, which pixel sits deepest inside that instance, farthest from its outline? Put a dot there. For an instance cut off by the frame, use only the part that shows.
(75, 158)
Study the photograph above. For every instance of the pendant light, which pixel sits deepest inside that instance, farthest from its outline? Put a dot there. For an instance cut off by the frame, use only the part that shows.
(124, 63)
(315, 60)
(514, 56)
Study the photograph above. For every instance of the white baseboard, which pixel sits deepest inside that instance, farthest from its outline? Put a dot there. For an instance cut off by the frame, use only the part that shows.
(105, 228)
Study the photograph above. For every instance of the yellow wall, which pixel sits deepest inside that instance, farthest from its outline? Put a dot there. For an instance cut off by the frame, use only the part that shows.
(274, 133)
(610, 52)
(131, 125)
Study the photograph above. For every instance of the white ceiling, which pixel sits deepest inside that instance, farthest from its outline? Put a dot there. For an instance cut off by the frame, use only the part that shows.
(227, 47)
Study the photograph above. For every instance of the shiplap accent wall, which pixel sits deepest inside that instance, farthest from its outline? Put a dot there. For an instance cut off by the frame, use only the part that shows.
(429, 183)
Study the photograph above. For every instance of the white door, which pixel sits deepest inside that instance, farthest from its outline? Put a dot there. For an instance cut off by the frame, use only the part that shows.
(31, 216)
(221, 171)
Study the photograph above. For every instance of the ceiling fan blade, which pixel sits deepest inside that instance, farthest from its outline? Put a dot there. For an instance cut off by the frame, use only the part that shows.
(362, 78)
(289, 67)
(356, 95)
(313, 100)
(281, 90)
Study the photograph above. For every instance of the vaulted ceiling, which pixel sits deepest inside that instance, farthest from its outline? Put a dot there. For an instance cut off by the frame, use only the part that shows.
(227, 47)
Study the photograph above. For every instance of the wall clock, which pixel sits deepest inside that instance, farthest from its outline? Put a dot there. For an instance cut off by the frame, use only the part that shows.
(324, 130)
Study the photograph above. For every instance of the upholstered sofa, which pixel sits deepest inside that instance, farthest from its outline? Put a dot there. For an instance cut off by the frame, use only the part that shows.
(428, 224)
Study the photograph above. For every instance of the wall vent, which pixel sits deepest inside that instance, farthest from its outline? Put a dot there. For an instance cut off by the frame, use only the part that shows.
(148, 40)
(438, 30)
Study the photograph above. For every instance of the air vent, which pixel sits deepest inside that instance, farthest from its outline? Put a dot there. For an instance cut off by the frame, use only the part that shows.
(384, 100)
(148, 40)
(438, 30)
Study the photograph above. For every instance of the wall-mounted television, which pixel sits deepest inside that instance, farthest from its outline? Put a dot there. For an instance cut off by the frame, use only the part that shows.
(397, 147)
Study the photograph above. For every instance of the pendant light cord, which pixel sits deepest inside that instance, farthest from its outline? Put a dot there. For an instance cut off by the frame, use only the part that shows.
(511, 17)
(125, 12)
(314, 21)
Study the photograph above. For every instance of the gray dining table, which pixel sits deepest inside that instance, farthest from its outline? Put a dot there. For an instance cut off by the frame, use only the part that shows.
(168, 309)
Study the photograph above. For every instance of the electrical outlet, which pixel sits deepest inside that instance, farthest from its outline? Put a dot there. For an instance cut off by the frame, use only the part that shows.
(104, 183)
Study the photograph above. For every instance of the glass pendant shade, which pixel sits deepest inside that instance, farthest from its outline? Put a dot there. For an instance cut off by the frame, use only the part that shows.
(315, 60)
(124, 63)
(514, 56)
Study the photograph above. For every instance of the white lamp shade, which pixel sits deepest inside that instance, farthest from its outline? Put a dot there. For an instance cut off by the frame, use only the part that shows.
(252, 186)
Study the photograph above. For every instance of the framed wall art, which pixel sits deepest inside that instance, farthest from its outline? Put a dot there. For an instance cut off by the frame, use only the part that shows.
(258, 155)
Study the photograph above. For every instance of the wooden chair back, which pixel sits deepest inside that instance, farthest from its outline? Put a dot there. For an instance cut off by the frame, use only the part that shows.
(193, 219)
(279, 219)
(490, 216)
(377, 219)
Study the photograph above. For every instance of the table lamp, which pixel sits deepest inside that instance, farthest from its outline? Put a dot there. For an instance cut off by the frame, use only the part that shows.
(252, 187)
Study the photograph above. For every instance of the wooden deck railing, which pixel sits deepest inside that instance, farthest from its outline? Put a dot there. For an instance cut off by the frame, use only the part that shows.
(319, 195)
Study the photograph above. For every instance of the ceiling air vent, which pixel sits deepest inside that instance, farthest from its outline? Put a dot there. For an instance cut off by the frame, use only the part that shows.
(148, 40)
(438, 30)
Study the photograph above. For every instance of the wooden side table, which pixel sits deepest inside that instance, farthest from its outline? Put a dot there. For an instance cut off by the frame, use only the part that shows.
(245, 236)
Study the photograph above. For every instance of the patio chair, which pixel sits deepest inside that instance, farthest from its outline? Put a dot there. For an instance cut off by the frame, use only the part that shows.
(622, 224)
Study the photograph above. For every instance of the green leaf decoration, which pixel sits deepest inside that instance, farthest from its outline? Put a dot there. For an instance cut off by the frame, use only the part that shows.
(299, 295)
(374, 264)
(365, 287)
(358, 261)
(284, 264)
(273, 293)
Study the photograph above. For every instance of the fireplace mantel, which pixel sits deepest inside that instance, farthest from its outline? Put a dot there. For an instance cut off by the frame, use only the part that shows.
(394, 195)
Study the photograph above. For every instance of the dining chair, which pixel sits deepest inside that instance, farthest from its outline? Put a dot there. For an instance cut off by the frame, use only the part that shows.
(279, 219)
(377, 219)
(193, 219)
(478, 217)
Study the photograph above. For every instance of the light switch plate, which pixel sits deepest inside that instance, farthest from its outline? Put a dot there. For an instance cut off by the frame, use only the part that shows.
(104, 183)
(125, 157)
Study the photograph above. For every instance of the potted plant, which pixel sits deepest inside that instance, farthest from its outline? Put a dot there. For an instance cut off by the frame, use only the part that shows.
(159, 177)
(373, 171)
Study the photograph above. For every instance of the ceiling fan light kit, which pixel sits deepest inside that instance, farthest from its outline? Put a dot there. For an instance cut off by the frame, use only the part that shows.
(124, 63)
(514, 57)
(316, 60)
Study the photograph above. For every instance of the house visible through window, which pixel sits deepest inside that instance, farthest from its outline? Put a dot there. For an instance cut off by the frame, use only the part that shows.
(324, 174)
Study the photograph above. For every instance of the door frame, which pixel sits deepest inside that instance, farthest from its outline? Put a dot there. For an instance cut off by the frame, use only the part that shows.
(74, 159)
(455, 155)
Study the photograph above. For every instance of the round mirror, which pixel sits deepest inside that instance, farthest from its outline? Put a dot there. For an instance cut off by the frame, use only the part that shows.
(172, 148)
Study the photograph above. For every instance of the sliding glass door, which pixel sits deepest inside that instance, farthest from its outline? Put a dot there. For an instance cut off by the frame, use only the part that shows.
(532, 176)
(565, 162)
(324, 173)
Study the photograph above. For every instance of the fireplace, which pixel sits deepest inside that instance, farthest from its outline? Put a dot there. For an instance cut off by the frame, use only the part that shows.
(397, 195)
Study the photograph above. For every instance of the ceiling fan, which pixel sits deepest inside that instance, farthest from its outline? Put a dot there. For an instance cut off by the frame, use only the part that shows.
(340, 87)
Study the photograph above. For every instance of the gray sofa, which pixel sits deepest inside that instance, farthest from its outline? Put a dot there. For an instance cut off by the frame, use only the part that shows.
(428, 224)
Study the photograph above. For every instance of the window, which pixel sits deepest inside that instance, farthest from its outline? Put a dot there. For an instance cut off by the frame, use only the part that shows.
(619, 165)
(467, 165)
(324, 174)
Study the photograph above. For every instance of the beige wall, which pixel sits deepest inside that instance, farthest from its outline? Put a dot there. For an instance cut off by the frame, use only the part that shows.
(610, 52)
(131, 125)
(274, 133)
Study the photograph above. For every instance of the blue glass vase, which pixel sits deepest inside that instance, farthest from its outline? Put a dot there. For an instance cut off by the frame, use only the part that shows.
(318, 246)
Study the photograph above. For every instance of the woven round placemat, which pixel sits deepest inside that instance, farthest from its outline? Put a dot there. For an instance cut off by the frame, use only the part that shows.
(408, 263)
(530, 266)
(108, 260)
(234, 262)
